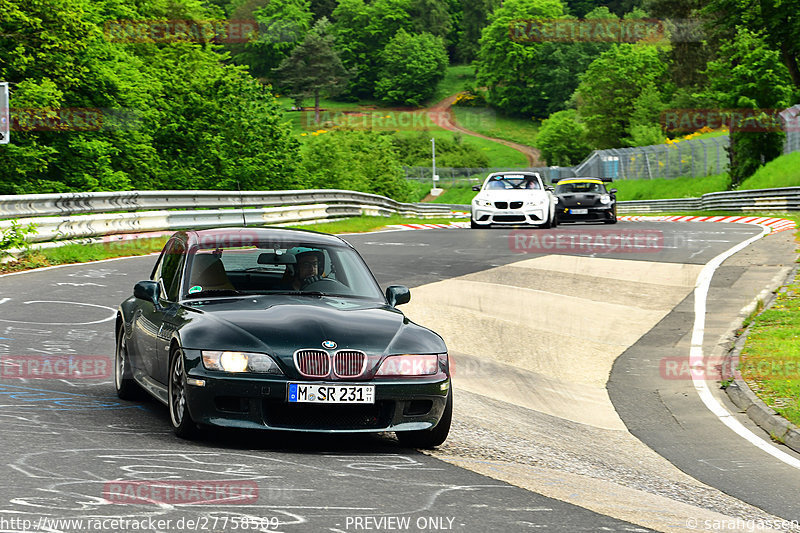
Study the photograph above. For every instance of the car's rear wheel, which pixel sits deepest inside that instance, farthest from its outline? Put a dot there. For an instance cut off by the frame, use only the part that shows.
(430, 438)
(127, 388)
(182, 422)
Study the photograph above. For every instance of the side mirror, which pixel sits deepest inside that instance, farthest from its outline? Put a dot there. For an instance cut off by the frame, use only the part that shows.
(476, 187)
(147, 290)
(397, 295)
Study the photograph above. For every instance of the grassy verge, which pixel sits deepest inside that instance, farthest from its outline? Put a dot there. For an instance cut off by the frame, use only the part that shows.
(365, 223)
(459, 194)
(83, 253)
(499, 155)
(669, 188)
(487, 121)
(770, 360)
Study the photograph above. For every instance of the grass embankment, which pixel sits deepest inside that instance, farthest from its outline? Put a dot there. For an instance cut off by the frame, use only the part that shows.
(83, 253)
(669, 188)
(770, 360)
(783, 171)
(489, 122)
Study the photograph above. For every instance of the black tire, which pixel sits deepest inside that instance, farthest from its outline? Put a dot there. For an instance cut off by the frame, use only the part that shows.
(430, 438)
(182, 423)
(612, 221)
(555, 220)
(127, 388)
(548, 224)
(473, 225)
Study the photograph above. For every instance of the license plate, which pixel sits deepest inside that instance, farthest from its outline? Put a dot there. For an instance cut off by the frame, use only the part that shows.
(326, 393)
(579, 211)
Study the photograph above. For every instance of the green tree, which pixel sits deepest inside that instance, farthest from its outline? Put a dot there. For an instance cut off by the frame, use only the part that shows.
(750, 74)
(314, 67)
(475, 17)
(282, 25)
(775, 20)
(610, 88)
(562, 139)
(510, 68)
(689, 51)
(362, 31)
(165, 113)
(411, 66)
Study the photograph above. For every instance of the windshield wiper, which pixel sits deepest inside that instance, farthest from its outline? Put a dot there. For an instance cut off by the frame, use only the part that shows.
(215, 292)
(299, 293)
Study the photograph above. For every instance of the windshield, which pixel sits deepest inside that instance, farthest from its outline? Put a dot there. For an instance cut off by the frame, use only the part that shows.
(578, 187)
(303, 269)
(513, 182)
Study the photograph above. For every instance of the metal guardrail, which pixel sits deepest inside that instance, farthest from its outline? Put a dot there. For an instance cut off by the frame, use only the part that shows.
(80, 216)
(32, 205)
(782, 199)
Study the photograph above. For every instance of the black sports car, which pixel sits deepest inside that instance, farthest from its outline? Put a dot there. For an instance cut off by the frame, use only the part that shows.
(585, 199)
(280, 329)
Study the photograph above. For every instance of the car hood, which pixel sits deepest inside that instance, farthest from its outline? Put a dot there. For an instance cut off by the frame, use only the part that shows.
(525, 195)
(282, 324)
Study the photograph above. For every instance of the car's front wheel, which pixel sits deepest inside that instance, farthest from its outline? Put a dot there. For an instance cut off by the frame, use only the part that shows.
(473, 224)
(430, 438)
(182, 422)
(127, 389)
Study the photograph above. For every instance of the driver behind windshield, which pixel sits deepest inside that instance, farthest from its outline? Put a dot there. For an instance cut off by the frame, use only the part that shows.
(306, 269)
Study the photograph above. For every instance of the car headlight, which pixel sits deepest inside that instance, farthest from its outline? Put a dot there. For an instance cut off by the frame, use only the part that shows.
(240, 362)
(412, 365)
(483, 203)
(537, 201)
(605, 199)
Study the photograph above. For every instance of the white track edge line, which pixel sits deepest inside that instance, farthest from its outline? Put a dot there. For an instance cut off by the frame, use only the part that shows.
(696, 355)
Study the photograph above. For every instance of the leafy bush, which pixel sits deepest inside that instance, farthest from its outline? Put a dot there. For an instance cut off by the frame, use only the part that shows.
(562, 139)
(415, 150)
(354, 160)
(14, 238)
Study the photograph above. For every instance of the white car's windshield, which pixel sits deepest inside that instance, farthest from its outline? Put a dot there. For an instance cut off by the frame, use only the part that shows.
(500, 183)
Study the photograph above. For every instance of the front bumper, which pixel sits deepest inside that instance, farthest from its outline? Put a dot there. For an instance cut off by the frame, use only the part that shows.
(593, 214)
(248, 402)
(486, 216)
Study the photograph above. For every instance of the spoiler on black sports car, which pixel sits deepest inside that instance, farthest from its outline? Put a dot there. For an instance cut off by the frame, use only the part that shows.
(604, 180)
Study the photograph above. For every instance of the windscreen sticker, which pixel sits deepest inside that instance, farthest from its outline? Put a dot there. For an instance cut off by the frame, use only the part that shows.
(196, 288)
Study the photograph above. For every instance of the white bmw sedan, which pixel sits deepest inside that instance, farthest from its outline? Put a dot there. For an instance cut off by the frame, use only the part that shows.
(513, 198)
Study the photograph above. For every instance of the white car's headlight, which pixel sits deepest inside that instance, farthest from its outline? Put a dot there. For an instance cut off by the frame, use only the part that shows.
(537, 201)
(411, 365)
(605, 199)
(240, 362)
(483, 203)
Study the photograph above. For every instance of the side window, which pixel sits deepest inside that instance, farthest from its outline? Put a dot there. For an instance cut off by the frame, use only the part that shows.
(171, 270)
